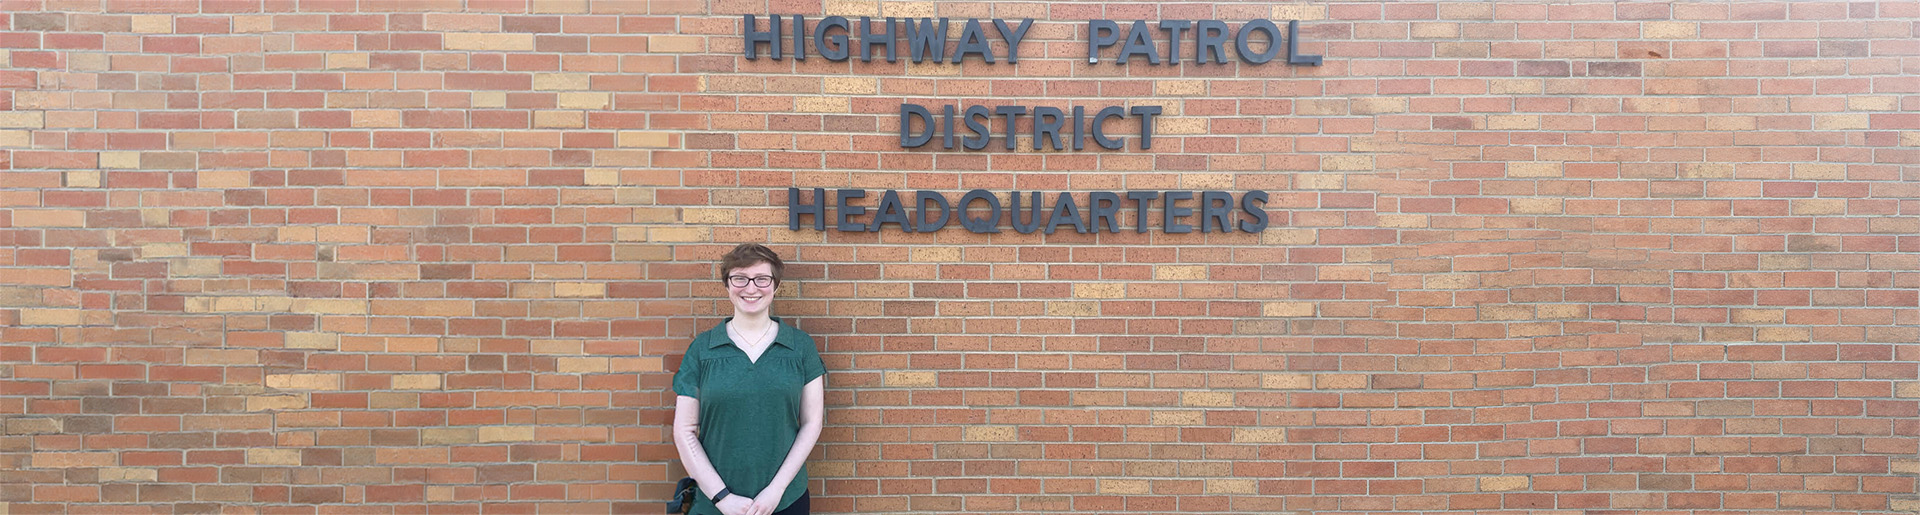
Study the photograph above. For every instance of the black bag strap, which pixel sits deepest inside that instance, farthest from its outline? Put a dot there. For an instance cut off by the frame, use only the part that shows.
(682, 501)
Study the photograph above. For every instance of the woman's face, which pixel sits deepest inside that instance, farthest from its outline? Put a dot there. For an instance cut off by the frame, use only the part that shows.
(751, 298)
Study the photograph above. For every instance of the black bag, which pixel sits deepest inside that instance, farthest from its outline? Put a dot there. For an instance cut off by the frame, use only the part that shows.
(683, 496)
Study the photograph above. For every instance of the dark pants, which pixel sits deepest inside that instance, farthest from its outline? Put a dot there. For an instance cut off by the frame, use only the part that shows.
(799, 506)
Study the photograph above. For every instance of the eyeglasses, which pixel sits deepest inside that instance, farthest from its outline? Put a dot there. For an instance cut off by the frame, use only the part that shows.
(740, 281)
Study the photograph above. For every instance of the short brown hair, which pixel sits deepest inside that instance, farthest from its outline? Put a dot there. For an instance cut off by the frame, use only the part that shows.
(749, 254)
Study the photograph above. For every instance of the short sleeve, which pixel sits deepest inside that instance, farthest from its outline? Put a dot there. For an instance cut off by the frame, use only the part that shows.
(686, 381)
(810, 364)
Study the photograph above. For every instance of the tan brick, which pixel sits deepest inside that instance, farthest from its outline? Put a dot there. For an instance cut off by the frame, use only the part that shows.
(1346, 163)
(1179, 87)
(52, 317)
(1260, 435)
(1339, 381)
(1537, 206)
(1099, 291)
(1207, 399)
(1560, 311)
(1817, 206)
(1206, 181)
(645, 139)
(581, 365)
(393, 400)
(1785, 262)
(423, 308)
(298, 340)
(1173, 126)
(932, 69)
(561, 81)
(492, 434)
(561, 6)
(1706, 170)
(349, 61)
(679, 234)
(1288, 381)
(906, 9)
(1434, 30)
(1179, 418)
(304, 381)
(1668, 29)
(583, 100)
(1873, 103)
(1783, 334)
(1232, 486)
(1820, 171)
(492, 41)
(696, 215)
(678, 44)
(74, 459)
(1112, 486)
(33, 426)
(153, 23)
(1513, 122)
(850, 86)
(416, 381)
(1287, 309)
(559, 119)
(909, 379)
(276, 402)
(1516, 86)
(1450, 281)
(449, 435)
(49, 218)
(602, 177)
(1179, 272)
(579, 290)
(830, 469)
(989, 434)
(819, 104)
(930, 254)
(128, 474)
(854, 8)
(1302, 12)
(1503, 483)
(376, 118)
(1073, 308)
(222, 356)
(22, 120)
(273, 457)
(120, 159)
(1287, 237)
(1759, 316)
(1841, 122)
(629, 234)
(82, 178)
(330, 306)
(494, 99)
(194, 267)
(14, 139)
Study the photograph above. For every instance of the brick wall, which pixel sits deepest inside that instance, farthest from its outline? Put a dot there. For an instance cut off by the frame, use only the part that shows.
(1527, 256)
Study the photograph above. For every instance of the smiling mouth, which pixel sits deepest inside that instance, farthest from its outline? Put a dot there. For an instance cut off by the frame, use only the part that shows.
(751, 298)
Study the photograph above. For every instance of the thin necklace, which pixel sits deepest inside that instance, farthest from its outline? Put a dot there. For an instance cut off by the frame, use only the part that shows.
(756, 341)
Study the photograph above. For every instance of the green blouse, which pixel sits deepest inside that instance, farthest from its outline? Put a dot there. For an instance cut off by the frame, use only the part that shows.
(749, 410)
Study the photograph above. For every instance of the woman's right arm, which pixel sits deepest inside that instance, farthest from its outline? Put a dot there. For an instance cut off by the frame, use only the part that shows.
(686, 438)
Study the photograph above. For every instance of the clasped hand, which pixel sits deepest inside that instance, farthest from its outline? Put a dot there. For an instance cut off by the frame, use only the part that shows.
(740, 505)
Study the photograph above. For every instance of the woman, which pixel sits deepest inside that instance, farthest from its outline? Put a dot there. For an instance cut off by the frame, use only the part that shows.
(751, 399)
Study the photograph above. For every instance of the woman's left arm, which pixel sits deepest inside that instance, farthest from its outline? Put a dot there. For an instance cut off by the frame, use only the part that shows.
(812, 416)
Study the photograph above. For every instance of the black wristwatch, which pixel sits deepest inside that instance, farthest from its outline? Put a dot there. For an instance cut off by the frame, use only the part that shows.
(724, 492)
